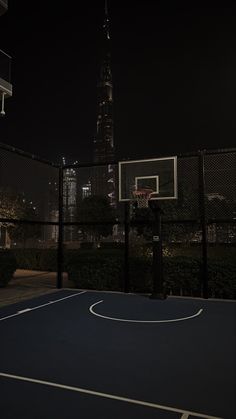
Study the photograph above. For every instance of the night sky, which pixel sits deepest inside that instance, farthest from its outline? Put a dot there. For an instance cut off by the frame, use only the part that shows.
(174, 76)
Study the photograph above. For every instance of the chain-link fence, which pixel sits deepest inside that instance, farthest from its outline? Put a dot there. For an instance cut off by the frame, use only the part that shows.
(5, 67)
(69, 219)
(29, 211)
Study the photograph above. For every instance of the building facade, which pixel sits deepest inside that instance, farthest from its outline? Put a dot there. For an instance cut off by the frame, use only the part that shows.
(5, 69)
(3, 6)
(70, 202)
(5, 91)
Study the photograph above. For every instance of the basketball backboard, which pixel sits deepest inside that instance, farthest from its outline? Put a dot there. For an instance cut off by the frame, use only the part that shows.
(159, 175)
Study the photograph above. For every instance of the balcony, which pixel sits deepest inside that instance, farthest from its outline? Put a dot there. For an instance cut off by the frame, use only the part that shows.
(3, 6)
(5, 74)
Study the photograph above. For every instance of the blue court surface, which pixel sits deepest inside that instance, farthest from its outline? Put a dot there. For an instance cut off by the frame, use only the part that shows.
(87, 354)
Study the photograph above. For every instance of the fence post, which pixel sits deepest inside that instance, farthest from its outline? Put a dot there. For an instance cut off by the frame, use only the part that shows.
(203, 221)
(126, 264)
(157, 260)
(60, 230)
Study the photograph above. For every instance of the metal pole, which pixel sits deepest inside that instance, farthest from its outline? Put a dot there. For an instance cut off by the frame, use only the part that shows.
(60, 231)
(157, 264)
(202, 209)
(126, 264)
(2, 110)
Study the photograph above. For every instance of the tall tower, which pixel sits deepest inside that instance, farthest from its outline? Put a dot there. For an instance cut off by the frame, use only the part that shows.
(104, 176)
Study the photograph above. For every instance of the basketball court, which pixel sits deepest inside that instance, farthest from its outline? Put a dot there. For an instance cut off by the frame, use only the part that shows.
(87, 353)
(98, 354)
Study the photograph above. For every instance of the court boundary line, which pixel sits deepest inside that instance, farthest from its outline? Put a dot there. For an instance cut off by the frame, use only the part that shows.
(185, 413)
(141, 321)
(169, 297)
(28, 310)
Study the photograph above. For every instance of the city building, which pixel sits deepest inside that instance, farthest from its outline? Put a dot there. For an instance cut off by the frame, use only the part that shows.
(5, 68)
(52, 212)
(5, 91)
(104, 182)
(69, 202)
(86, 190)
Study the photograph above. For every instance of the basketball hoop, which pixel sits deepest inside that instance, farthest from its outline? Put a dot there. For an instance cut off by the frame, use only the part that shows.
(142, 196)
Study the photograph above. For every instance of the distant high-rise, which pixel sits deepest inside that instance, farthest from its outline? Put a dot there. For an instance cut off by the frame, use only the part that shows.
(69, 201)
(104, 176)
(5, 68)
(86, 190)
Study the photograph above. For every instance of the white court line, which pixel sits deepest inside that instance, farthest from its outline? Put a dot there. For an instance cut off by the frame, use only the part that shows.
(184, 416)
(26, 310)
(108, 396)
(141, 321)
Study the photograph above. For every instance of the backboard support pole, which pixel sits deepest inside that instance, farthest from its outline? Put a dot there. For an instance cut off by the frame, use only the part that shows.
(202, 209)
(60, 231)
(158, 292)
(127, 228)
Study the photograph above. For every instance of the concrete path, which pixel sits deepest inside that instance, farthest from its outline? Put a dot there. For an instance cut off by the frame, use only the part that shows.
(27, 284)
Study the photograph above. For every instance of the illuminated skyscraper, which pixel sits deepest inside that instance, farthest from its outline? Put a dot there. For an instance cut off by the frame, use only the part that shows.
(104, 176)
(86, 190)
(69, 201)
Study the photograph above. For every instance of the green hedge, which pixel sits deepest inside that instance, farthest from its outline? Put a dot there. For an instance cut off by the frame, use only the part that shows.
(99, 271)
(222, 279)
(140, 273)
(8, 266)
(104, 269)
(112, 245)
(36, 259)
(46, 259)
(182, 276)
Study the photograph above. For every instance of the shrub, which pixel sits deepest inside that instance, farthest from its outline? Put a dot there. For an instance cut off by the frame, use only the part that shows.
(112, 245)
(95, 270)
(103, 268)
(36, 259)
(140, 274)
(8, 266)
(87, 245)
(222, 279)
(182, 276)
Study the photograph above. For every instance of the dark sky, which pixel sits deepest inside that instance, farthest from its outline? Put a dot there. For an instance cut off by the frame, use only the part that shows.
(174, 75)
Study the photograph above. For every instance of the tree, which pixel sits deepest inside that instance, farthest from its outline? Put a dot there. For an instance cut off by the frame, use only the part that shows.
(96, 209)
(173, 210)
(16, 207)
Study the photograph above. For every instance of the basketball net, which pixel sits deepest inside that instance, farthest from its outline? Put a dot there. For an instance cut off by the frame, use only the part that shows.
(142, 196)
